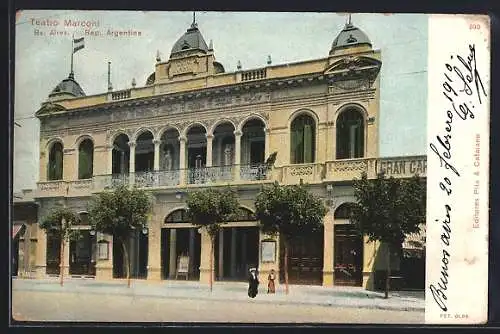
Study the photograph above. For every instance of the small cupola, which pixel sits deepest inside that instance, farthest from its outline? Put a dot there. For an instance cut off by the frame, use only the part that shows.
(350, 37)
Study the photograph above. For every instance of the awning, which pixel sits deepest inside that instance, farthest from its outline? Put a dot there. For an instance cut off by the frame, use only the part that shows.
(16, 229)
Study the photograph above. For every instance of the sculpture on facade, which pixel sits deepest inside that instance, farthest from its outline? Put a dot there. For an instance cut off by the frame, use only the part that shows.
(228, 155)
(168, 160)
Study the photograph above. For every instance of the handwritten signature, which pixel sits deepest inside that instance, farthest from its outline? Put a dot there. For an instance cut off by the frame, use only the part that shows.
(462, 81)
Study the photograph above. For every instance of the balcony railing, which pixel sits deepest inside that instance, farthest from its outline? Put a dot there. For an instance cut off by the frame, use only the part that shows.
(254, 172)
(336, 171)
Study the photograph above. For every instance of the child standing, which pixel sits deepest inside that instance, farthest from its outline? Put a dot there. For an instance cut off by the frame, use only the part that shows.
(270, 285)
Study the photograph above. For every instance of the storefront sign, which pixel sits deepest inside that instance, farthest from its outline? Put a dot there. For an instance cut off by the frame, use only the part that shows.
(103, 250)
(407, 167)
(268, 251)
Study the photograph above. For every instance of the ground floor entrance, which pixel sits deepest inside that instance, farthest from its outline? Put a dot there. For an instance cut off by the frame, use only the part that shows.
(82, 255)
(236, 250)
(137, 248)
(305, 259)
(348, 250)
(178, 244)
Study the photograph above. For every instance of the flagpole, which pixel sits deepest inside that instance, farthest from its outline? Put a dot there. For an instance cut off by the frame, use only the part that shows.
(71, 74)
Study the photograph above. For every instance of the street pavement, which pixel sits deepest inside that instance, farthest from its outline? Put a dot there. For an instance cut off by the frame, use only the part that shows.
(180, 301)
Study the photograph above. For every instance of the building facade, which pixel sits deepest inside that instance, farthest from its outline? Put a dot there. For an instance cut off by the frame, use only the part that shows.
(25, 233)
(193, 125)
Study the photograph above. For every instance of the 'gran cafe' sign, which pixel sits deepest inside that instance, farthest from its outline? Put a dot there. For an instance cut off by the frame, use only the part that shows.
(403, 167)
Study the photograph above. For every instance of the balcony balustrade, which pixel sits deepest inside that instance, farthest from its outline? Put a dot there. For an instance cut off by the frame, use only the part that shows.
(331, 171)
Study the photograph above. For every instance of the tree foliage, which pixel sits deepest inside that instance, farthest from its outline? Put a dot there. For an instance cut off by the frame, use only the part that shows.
(211, 207)
(119, 211)
(59, 222)
(289, 210)
(388, 209)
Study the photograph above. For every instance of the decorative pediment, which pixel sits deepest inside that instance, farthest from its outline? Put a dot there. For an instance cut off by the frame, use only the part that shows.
(354, 68)
(49, 108)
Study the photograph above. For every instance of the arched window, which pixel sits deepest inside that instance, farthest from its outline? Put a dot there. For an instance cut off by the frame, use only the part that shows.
(55, 170)
(303, 139)
(343, 211)
(350, 135)
(243, 215)
(85, 159)
(177, 216)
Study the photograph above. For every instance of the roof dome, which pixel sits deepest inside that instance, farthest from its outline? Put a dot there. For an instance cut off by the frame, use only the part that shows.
(68, 86)
(190, 41)
(350, 36)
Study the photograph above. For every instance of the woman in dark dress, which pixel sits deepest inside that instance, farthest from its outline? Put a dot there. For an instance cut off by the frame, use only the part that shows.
(253, 283)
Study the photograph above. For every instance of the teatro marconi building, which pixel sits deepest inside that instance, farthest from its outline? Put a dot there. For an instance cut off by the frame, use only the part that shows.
(192, 125)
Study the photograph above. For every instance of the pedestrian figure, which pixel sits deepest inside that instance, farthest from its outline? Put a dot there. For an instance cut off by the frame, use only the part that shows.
(271, 288)
(253, 283)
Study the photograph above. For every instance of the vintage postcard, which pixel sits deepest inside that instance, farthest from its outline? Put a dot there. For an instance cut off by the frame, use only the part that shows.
(250, 167)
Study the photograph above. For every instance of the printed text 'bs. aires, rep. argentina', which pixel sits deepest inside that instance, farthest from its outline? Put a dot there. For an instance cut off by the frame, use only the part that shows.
(462, 89)
(67, 27)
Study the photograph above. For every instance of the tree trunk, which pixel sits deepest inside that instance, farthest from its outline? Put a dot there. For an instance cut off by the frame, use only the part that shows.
(210, 281)
(388, 277)
(61, 263)
(286, 266)
(127, 261)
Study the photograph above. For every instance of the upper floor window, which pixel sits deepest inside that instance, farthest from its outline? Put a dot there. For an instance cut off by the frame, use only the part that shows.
(303, 139)
(85, 159)
(55, 170)
(350, 135)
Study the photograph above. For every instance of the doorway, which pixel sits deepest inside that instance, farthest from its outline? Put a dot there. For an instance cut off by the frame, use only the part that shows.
(82, 255)
(236, 250)
(348, 250)
(137, 248)
(305, 259)
(53, 254)
(176, 242)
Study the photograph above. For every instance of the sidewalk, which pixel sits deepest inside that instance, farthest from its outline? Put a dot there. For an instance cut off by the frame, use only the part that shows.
(355, 297)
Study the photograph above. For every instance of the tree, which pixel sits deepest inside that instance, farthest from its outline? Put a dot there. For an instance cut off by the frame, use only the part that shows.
(209, 209)
(387, 210)
(289, 211)
(59, 223)
(118, 213)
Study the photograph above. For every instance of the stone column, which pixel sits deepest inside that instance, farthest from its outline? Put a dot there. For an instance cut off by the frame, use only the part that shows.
(182, 160)
(233, 251)
(41, 254)
(266, 144)
(157, 155)
(221, 254)
(104, 267)
(192, 237)
(237, 154)
(154, 249)
(328, 251)
(173, 256)
(132, 162)
(110, 159)
(205, 258)
(210, 138)
(67, 257)
(370, 253)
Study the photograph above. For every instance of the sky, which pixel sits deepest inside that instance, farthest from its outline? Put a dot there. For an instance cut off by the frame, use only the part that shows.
(42, 61)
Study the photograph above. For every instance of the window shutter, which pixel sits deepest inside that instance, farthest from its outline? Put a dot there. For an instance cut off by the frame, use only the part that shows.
(308, 144)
